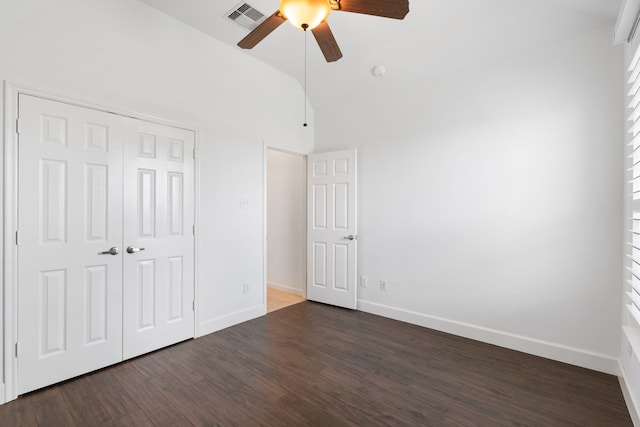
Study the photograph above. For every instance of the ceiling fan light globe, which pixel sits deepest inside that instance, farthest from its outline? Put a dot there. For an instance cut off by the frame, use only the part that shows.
(305, 12)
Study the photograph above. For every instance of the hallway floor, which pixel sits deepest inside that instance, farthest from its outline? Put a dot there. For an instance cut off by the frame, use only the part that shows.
(277, 299)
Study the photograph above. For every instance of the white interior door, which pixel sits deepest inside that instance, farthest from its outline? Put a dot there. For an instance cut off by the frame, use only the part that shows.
(159, 212)
(105, 239)
(70, 211)
(332, 228)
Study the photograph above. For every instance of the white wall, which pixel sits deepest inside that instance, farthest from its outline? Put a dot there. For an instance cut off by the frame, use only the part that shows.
(125, 55)
(286, 221)
(490, 199)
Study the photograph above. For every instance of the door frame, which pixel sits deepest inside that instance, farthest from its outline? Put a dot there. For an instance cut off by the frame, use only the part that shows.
(265, 148)
(9, 219)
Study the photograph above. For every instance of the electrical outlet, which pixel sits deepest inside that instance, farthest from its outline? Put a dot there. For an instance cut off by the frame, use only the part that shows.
(244, 203)
(246, 287)
(383, 285)
(363, 281)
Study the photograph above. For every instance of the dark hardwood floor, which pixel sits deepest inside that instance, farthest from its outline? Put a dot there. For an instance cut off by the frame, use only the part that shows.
(316, 365)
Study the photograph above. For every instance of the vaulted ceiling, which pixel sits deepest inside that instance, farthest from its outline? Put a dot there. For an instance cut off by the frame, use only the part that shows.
(436, 36)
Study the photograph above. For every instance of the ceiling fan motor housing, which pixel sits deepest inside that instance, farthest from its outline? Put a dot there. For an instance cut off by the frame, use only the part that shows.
(305, 14)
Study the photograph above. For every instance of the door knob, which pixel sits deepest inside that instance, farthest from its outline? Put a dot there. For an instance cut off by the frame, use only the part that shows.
(349, 237)
(133, 249)
(112, 251)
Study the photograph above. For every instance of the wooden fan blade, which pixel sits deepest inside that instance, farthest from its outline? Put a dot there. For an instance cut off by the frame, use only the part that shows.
(327, 42)
(262, 31)
(396, 9)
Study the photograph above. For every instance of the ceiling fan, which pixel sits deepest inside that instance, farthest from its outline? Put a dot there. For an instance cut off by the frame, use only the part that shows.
(312, 15)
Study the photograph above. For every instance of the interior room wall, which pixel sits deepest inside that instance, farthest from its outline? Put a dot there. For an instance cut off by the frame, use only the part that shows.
(286, 221)
(490, 200)
(127, 56)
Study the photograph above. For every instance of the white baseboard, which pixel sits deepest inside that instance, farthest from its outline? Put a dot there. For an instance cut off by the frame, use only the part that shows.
(285, 288)
(549, 350)
(3, 396)
(629, 397)
(231, 319)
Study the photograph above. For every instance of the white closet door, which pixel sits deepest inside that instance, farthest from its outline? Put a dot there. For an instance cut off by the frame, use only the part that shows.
(159, 217)
(70, 210)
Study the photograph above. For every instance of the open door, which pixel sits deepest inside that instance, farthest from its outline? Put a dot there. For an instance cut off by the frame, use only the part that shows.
(332, 228)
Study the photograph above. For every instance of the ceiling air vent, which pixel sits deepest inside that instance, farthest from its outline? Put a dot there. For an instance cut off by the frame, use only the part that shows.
(246, 16)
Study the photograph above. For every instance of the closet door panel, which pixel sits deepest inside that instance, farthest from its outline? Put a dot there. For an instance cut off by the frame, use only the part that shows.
(159, 217)
(70, 211)
(92, 185)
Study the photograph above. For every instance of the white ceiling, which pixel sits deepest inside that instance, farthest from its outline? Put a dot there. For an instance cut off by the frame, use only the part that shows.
(435, 37)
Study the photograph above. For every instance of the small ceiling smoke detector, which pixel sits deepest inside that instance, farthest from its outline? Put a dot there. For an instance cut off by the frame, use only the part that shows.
(245, 15)
(379, 71)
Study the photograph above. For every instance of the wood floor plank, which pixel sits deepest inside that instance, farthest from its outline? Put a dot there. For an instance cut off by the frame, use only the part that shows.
(311, 364)
(50, 408)
(148, 365)
(113, 397)
(249, 373)
(136, 418)
(181, 362)
(159, 410)
(19, 412)
(84, 405)
(216, 408)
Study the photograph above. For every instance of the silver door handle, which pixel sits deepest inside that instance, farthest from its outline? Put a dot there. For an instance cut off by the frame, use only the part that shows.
(350, 237)
(112, 251)
(133, 249)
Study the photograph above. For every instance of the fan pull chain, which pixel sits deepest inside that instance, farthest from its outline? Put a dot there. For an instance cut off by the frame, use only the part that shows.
(304, 27)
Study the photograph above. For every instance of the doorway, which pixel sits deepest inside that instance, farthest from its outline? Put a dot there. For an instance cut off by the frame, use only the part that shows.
(286, 228)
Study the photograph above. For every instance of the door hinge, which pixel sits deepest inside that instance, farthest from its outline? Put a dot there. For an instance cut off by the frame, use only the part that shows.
(194, 154)
(193, 230)
(16, 237)
(16, 349)
(193, 305)
(18, 126)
